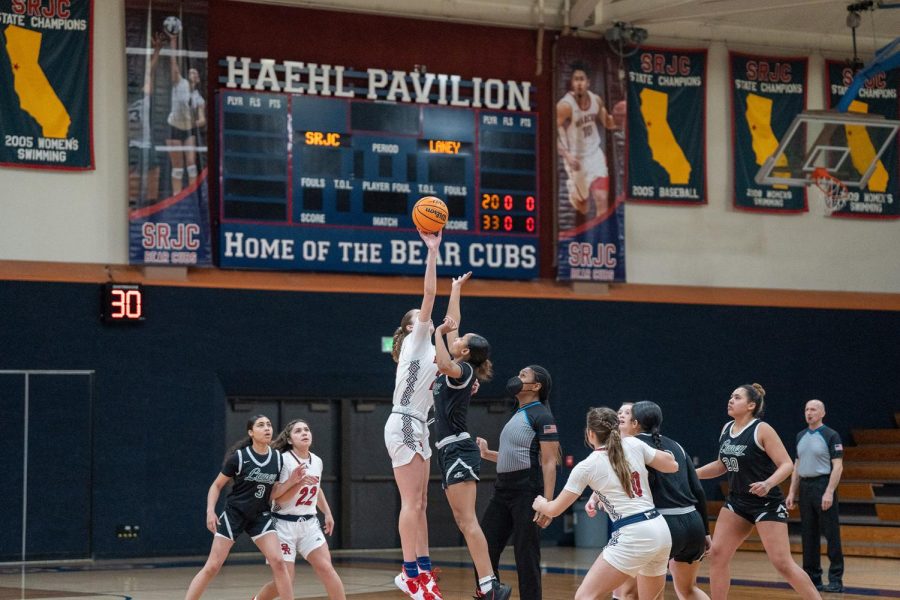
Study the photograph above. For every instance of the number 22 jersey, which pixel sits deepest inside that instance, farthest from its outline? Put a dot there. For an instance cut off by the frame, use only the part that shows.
(303, 501)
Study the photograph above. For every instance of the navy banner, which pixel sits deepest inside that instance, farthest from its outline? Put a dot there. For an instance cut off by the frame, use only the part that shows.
(881, 197)
(667, 128)
(767, 93)
(45, 84)
(590, 143)
(165, 45)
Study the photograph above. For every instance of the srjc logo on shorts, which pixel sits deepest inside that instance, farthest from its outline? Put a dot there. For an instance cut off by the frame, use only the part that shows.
(285, 549)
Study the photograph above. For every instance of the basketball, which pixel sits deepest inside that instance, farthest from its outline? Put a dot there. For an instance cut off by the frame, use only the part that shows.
(172, 25)
(430, 214)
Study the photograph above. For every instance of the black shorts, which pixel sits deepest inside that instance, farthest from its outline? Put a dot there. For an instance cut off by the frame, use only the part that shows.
(459, 461)
(232, 523)
(757, 509)
(688, 536)
(180, 134)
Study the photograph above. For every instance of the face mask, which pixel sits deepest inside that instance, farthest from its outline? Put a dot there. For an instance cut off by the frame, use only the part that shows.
(513, 386)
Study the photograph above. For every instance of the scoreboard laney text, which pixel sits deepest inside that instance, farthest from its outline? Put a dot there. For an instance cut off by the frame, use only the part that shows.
(328, 184)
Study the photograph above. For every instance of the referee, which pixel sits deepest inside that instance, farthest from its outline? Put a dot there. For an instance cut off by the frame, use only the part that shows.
(526, 467)
(817, 472)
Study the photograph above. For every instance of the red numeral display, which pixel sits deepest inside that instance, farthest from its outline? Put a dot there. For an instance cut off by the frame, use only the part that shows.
(125, 304)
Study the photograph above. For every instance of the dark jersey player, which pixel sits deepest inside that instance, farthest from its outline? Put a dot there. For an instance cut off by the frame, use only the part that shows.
(254, 467)
(467, 358)
(755, 460)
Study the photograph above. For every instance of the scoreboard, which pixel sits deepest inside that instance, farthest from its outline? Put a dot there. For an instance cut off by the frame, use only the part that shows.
(318, 183)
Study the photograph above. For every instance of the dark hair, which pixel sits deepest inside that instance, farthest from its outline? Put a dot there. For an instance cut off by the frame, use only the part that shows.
(542, 376)
(757, 395)
(578, 65)
(649, 417)
(283, 441)
(246, 440)
(400, 334)
(479, 357)
(604, 422)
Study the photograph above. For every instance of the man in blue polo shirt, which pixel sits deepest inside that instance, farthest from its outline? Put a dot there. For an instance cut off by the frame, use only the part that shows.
(817, 472)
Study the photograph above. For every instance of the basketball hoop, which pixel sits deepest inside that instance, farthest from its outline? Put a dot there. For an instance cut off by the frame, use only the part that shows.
(836, 193)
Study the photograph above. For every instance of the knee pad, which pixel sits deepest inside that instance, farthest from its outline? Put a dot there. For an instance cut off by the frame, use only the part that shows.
(192, 171)
(177, 173)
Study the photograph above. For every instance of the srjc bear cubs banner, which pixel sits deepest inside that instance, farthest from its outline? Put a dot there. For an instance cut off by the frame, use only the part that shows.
(667, 126)
(45, 84)
(590, 144)
(881, 197)
(767, 93)
(168, 218)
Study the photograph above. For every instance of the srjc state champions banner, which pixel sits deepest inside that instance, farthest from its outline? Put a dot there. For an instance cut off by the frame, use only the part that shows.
(45, 84)
(881, 197)
(667, 126)
(767, 93)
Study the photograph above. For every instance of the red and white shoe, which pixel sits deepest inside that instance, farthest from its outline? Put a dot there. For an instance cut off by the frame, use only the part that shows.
(431, 583)
(414, 587)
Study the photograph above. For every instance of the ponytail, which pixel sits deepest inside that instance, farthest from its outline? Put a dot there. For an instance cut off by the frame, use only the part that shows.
(604, 423)
(400, 334)
(649, 417)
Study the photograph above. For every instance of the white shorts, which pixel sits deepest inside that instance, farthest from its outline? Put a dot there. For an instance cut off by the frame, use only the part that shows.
(640, 548)
(593, 167)
(405, 436)
(298, 536)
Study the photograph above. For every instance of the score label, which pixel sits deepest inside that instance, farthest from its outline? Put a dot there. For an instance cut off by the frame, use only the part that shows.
(328, 184)
(122, 303)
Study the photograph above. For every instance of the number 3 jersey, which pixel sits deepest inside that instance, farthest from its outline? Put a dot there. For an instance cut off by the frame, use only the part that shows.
(746, 461)
(597, 472)
(254, 475)
(303, 500)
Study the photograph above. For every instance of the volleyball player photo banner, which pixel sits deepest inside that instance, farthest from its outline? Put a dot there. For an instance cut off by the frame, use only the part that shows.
(168, 198)
(667, 126)
(881, 197)
(766, 94)
(590, 144)
(45, 84)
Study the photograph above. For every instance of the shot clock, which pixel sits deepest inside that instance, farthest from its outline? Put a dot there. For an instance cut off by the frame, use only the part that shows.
(328, 184)
(122, 303)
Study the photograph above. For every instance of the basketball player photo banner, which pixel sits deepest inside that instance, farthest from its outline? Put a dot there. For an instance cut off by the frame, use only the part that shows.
(880, 199)
(667, 126)
(168, 202)
(766, 94)
(45, 84)
(590, 145)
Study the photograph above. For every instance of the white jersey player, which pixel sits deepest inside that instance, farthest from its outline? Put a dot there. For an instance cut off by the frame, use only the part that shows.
(296, 498)
(579, 114)
(406, 432)
(617, 472)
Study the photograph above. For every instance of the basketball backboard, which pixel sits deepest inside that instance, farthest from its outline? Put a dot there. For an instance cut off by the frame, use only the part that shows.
(848, 145)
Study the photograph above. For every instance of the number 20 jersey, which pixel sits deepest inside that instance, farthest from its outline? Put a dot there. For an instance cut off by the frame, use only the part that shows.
(746, 461)
(303, 500)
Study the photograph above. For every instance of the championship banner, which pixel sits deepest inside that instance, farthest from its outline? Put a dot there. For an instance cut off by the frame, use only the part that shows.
(166, 53)
(45, 84)
(667, 129)
(767, 93)
(881, 198)
(590, 144)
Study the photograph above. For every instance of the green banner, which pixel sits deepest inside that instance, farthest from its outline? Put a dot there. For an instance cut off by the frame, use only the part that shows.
(45, 84)
(878, 96)
(667, 126)
(767, 93)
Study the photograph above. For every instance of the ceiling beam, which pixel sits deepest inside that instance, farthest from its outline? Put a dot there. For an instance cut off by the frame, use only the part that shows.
(579, 13)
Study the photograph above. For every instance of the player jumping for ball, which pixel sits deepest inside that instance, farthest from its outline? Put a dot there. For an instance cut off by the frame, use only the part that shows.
(578, 115)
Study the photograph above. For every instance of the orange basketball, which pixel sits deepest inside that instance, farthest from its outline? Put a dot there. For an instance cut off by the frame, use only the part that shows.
(430, 214)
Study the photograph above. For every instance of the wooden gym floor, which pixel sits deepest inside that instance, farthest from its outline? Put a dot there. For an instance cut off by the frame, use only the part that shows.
(368, 575)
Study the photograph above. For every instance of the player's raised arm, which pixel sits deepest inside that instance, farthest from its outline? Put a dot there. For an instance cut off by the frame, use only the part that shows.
(442, 357)
(453, 307)
(433, 243)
